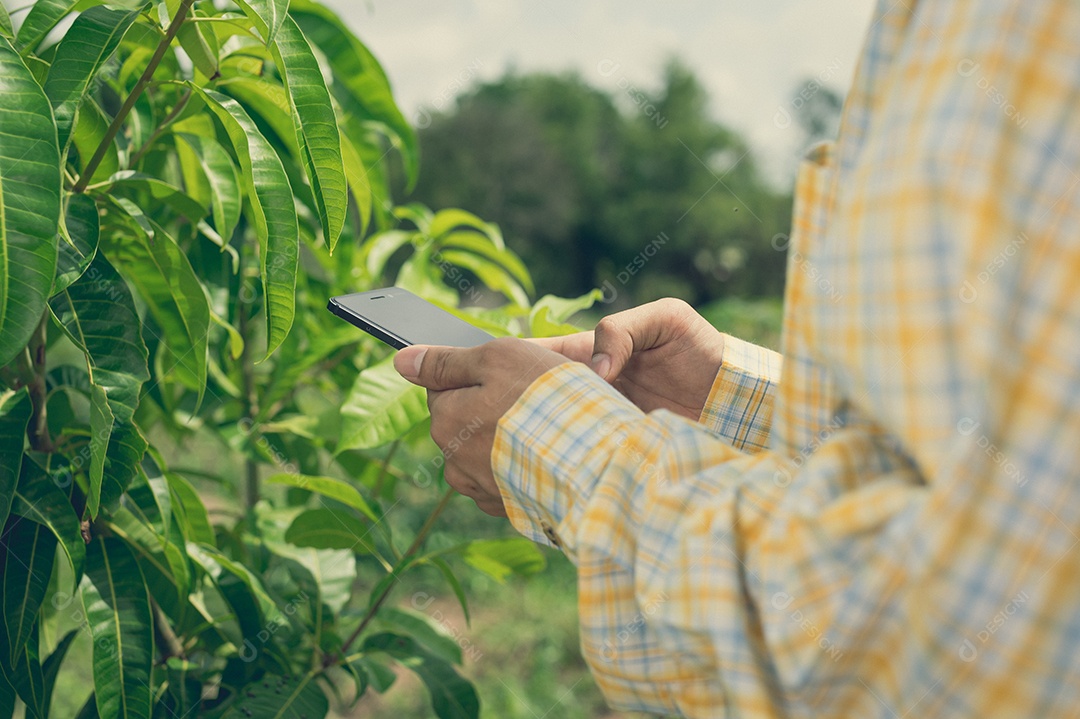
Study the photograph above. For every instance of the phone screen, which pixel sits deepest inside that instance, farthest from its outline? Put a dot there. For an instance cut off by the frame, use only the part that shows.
(400, 318)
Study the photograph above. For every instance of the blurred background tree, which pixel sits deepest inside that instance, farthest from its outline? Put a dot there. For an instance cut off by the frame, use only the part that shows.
(582, 182)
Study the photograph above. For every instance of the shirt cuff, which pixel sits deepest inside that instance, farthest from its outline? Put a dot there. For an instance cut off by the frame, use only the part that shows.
(543, 461)
(740, 404)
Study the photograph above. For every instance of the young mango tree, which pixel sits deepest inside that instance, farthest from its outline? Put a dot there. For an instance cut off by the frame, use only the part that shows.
(199, 465)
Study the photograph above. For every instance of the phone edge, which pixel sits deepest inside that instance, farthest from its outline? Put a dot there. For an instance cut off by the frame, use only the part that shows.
(359, 322)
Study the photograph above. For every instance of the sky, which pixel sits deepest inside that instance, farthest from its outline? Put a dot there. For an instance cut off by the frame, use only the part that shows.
(751, 56)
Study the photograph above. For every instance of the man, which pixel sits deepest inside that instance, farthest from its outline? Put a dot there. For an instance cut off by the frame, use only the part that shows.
(893, 528)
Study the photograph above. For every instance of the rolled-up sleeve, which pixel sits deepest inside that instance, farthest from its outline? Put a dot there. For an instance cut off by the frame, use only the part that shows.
(739, 408)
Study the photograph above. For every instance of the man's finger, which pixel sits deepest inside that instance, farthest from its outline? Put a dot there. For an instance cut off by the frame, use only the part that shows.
(438, 368)
(619, 336)
(576, 347)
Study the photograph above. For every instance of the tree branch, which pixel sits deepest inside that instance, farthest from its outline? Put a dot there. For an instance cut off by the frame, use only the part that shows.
(136, 92)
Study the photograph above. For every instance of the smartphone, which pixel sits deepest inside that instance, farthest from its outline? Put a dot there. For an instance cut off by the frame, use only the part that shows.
(399, 318)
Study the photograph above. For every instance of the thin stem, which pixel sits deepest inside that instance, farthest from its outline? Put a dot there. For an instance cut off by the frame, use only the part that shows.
(173, 114)
(168, 643)
(385, 470)
(251, 399)
(136, 92)
(401, 566)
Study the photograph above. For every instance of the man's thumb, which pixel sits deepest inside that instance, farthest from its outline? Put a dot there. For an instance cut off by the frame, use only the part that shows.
(437, 368)
(612, 347)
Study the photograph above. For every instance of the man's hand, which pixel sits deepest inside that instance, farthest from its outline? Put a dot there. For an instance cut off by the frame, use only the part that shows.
(662, 355)
(469, 390)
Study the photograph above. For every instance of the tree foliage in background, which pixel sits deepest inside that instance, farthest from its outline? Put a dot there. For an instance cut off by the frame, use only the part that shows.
(183, 184)
(600, 177)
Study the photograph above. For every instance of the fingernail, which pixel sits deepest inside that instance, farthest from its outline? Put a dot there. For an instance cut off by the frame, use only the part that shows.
(406, 368)
(601, 364)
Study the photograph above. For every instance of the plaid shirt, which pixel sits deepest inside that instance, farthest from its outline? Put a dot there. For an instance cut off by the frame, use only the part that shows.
(892, 529)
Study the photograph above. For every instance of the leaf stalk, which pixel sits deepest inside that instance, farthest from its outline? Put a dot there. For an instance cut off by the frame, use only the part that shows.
(402, 564)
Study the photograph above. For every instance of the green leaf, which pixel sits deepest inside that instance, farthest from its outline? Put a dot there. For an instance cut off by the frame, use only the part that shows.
(359, 180)
(78, 241)
(484, 246)
(41, 19)
(326, 574)
(85, 47)
(359, 81)
(269, 101)
(184, 687)
(376, 669)
(450, 219)
(158, 557)
(424, 630)
(499, 558)
(418, 214)
(90, 128)
(29, 203)
(455, 585)
(223, 179)
(378, 249)
(98, 314)
(422, 276)
(199, 42)
(162, 274)
(118, 615)
(278, 697)
(25, 677)
(126, 449)
(328, 487)
(250, 602)
(155, 480)
(562, 309)
(9, 33)
(271, 199)
(381, 407)
(134, 212)
(15, 411)
(492, 274)
(41, 501)
(452, 697)
(548, 317)
(89, 709)
(194, 519)
(160, 191)
(8, 697)
(316, 127)
(266, 15)
(51, 667)
(325, 528)
(101, 426)
(31, 549)
(218, 567)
